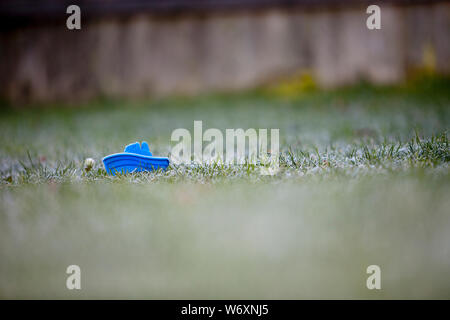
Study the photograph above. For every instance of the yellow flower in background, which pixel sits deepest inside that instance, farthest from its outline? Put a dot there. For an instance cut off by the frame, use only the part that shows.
(429, 58)
(295, 86)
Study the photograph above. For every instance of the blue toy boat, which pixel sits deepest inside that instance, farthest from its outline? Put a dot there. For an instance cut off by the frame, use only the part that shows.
(135, 158)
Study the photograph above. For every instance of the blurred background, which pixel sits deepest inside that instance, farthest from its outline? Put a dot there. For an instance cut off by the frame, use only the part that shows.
(146, 48)
(363, 117)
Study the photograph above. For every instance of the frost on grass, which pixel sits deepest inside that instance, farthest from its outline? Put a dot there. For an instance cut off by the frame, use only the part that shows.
(352, 160)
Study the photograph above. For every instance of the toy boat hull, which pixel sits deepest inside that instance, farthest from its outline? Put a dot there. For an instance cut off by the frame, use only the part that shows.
(129, 162)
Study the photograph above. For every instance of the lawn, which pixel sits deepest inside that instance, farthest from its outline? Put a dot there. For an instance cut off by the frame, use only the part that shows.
(364, 180)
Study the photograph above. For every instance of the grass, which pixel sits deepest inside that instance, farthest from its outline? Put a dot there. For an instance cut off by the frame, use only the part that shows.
(364, 180)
